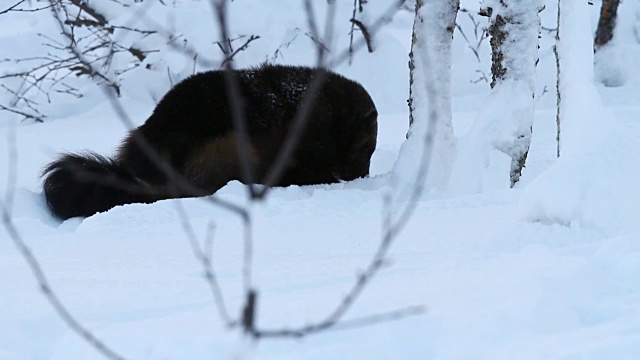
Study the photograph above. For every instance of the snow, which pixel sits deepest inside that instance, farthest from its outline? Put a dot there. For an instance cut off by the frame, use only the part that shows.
(589, 182)
(548, 269)
(610, 65)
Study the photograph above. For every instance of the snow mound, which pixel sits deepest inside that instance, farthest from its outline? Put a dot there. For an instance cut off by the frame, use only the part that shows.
(589, 184)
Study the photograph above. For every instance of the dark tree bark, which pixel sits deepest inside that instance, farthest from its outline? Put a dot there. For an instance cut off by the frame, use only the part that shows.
(513, 24)
(498, 36)
(606, 24)
(609, 69)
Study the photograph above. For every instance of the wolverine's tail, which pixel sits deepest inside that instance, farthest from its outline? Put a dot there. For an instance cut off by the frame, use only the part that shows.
(87, 183)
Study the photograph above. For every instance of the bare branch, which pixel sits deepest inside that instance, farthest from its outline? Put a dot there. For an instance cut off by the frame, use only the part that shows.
(234, 97)
(299, 123)
(344, 325)
(248, 317)
(295, 133)
(206, 263)
(365, 33)
(43, 283)
(72, 46)
(241, 48)
(352, 31)
(14, 8)
(378, 261)
(36, 118)
(177, 181)
(84, 6)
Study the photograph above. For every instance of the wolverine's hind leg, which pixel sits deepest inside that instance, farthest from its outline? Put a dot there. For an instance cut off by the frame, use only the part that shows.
(214, 163)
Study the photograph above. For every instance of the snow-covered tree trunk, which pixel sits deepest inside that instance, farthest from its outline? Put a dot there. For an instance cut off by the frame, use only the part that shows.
(499, 139)
(498, 142)
(580, 108)
(514, 42)
(587, 185)
(431, 129)
(608, 68)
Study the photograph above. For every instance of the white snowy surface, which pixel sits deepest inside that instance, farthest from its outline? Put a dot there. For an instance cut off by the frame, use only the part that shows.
(548, 270)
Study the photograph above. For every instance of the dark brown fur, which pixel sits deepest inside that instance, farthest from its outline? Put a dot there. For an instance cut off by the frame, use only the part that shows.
(191, 129)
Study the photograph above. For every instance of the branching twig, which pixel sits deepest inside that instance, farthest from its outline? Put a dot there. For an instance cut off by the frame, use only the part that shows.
(72, 46)
(365, 33)
(36, 118)
(303, 112)
(235, 100)
(203, 257)
(176, 180)
(343, 325)
(334, 318)
(95, 43)
(14, 8)
(39, 274)
(352, 31)
(241, 48)
(247, 319)
(50, 295)
(480, 34)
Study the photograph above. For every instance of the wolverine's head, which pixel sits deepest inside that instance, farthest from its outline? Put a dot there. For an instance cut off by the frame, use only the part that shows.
(359, 142)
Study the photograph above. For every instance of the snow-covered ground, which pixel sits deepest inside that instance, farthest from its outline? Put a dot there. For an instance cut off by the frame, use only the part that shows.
(548, 270)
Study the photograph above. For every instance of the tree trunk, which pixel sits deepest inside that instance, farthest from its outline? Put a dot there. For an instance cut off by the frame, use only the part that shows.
(558, 92)
(588, 183)
(606, 24)
(609, 70)
(514, 43)
(431, 129)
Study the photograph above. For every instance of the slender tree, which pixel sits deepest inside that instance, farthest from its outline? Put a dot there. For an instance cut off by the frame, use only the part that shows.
(558, 91)
(608, 69)
(514, 33)
(579, 113)
(430, 72)
(606, 24)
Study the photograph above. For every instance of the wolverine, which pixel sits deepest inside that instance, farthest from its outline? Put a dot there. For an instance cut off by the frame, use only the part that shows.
(191, 137)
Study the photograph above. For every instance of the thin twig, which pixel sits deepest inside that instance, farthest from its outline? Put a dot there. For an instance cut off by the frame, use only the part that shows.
(352, 31)
(301, 117)
(72, 46)
(174, 178)
(243, 144)
(39, 274)
(35, 118)
(241, 48)
(206, 263)
(390, 233)
(13, 8)
(235, 100)
(345, 324)
(365, 33)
